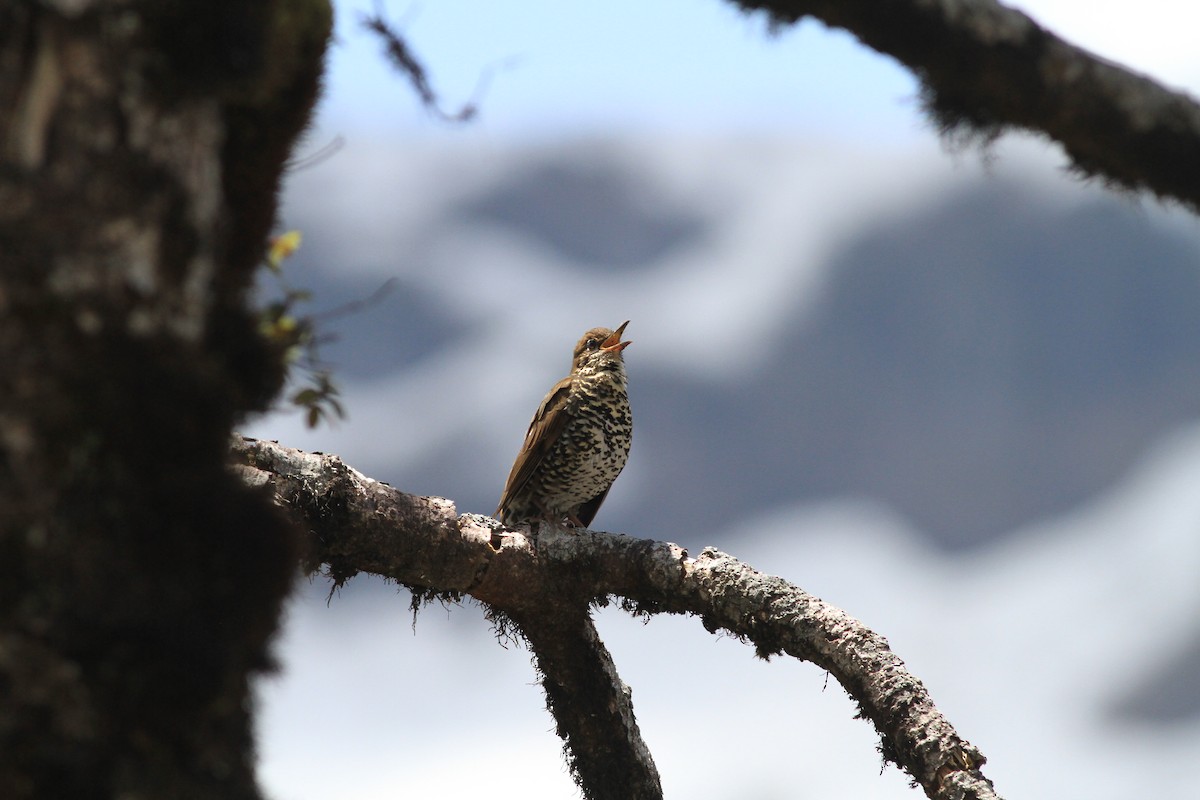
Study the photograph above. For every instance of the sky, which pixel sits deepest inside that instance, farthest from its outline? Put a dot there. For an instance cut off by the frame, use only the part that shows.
(545, 69)
(699, 69)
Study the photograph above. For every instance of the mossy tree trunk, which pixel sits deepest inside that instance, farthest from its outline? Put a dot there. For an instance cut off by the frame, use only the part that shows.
(141, 145)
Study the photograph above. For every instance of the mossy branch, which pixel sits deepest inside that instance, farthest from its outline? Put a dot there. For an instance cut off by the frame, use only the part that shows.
(986, 68)
(545, 587)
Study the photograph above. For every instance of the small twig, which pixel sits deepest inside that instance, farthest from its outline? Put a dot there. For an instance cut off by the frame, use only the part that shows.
(322, 154)
(403, 59)
(356, 306)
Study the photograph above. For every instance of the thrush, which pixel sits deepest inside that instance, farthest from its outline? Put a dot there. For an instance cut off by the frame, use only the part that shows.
(578, 441)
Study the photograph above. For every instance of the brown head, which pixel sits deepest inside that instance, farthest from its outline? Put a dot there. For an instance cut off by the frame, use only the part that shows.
(599, 344)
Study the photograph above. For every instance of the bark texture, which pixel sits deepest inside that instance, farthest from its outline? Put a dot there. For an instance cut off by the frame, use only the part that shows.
(985, 67)
(547, 585)
(141, 144)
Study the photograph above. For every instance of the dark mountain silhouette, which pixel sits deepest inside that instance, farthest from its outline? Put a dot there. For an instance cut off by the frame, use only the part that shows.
(597, 212)
(977, 366)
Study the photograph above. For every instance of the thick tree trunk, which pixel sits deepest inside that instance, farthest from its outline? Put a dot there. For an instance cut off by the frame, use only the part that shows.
(140, 149)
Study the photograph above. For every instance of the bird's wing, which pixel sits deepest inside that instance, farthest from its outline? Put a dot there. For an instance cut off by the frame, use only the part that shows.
(543, 432)
(587, 511)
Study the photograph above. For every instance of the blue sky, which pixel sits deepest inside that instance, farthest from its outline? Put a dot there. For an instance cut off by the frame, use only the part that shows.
(577, 67)
(679, 66)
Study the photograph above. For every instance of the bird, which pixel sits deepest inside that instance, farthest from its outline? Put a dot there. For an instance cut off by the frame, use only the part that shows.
(578, 441)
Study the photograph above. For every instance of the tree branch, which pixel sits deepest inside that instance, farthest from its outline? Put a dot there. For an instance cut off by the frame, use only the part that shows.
(984, 67)
(545, 587)
(591, 705)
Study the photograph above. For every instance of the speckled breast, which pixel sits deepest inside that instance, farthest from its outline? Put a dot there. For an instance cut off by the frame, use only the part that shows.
(594, 445)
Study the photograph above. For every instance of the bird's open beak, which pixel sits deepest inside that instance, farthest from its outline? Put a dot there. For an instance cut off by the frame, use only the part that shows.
(613, 344)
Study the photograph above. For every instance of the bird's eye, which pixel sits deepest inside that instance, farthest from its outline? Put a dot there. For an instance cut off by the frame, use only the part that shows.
(592, 344)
